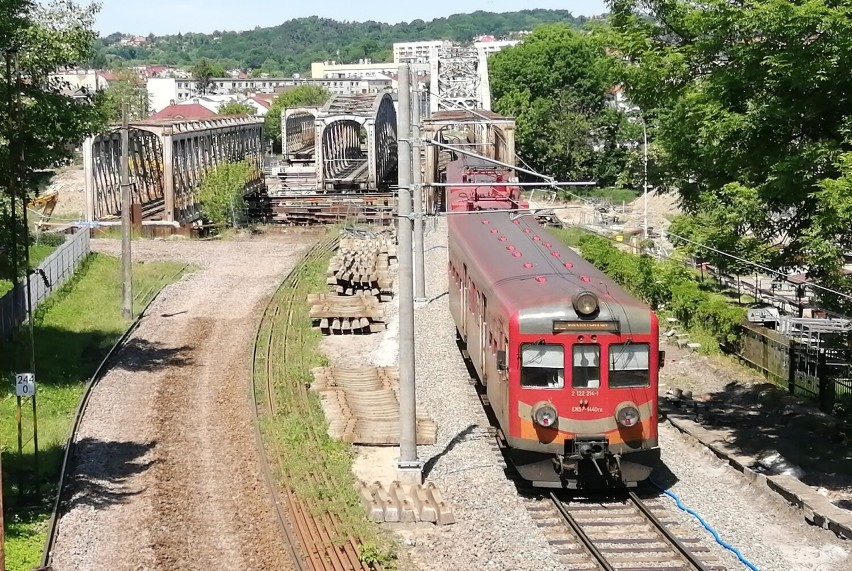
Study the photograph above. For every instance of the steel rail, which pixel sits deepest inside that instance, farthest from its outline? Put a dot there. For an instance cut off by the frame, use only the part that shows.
(70, 447)
(667, 535)
(587, 542)
(283, 506)
(317, 554)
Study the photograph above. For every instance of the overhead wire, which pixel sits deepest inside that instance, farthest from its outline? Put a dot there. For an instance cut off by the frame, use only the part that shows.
(550, 179)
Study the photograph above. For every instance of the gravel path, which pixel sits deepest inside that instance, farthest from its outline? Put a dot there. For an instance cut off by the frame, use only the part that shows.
(167, 475)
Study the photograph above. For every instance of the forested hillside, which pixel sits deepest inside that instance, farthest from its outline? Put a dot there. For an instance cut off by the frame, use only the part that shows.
(292, 46)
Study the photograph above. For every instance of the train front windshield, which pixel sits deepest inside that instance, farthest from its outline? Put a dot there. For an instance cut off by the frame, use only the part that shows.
(543, 365)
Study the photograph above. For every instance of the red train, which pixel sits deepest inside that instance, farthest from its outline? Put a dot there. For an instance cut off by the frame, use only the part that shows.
(569, 359)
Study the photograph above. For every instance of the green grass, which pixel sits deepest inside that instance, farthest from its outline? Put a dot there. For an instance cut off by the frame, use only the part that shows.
(73, 331)
(615, 195)
(38, 252)
(298, 434)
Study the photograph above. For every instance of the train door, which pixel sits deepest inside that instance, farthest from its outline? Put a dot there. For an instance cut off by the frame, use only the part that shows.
(483, 337)
(464, 301)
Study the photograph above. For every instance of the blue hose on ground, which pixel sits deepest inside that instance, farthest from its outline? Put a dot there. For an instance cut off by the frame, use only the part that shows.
(715, 534)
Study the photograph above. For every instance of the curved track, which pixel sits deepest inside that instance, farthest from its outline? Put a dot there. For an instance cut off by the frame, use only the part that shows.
(314, 535)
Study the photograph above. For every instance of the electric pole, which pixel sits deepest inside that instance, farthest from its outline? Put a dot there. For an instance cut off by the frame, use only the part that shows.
(409, 468)
(417, 180)
(126, 275)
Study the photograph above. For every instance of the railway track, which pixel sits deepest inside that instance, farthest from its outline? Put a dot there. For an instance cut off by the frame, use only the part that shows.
(619, 531)
(323, 208)
(313, 538)
(626, 533)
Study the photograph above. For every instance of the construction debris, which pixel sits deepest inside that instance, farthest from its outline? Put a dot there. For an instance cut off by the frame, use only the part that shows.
(405, 505)
(362, 405)
(335, 314)
(363, 265)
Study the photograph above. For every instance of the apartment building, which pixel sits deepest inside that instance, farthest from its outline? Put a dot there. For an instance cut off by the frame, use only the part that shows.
(165, 91)
(487, 45)
(364, 69)
(416, 52)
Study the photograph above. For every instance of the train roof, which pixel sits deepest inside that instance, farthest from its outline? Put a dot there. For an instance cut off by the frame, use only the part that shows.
(532, 273)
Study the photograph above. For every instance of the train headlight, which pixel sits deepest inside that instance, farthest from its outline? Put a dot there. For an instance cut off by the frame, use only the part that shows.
(627, 415)
(585, 303)
(544, 414)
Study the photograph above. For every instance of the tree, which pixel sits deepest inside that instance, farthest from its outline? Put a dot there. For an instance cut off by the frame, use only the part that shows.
(51, 123)
(203, 73)
(303, 95)
(235, 108)
(221, 192)
(127, 88)
(555, 85)
(753, 107)
(298, 42)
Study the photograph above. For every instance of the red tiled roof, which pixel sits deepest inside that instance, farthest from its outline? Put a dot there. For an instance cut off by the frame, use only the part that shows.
(189, 111)
(262, 101)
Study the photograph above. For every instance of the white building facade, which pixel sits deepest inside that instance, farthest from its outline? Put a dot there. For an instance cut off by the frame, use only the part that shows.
(416, 52)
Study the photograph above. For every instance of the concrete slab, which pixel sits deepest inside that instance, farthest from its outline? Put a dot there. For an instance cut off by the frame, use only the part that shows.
(815, 507)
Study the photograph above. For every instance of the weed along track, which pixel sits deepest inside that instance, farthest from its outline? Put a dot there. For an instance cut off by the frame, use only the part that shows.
(165, 474)
(308, 473)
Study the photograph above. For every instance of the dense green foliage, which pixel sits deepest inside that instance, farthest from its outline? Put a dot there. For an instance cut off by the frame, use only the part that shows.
(307, 95)
(665, 285)
(752, 107)
(555, 84)
(221, 192)
(49, 123)
(292, 46)
(127, 88)
(235, 108)
(203, 72)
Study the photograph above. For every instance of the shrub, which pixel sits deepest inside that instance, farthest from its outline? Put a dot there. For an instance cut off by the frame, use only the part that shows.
(666, 284)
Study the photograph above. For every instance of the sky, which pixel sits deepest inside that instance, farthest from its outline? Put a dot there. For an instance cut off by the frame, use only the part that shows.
(162, 17)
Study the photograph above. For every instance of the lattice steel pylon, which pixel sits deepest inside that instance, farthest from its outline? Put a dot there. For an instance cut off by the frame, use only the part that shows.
(459, 79)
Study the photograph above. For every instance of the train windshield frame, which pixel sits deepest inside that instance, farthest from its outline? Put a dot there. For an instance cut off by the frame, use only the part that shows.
(586, 366)
(629, 365)
(542, 366)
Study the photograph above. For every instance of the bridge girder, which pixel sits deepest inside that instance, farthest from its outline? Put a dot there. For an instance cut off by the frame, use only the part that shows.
(298, 131)
(344, 127)
(490, 134)
(168, 160)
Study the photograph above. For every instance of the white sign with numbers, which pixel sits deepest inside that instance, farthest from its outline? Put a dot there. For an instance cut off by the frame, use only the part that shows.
(25, 384)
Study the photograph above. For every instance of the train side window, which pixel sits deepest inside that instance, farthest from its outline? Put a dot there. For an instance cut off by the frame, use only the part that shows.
(586, 372)
(628, 365)
(542, 366)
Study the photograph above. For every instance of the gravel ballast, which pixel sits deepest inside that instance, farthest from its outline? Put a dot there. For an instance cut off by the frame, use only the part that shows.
(495, 531)
(167, 475)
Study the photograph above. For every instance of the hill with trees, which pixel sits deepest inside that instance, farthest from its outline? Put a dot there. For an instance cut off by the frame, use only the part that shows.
(292, 46)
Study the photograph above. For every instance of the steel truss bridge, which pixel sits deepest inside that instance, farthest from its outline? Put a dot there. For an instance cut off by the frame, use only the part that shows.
(167, 162)
(348, 144)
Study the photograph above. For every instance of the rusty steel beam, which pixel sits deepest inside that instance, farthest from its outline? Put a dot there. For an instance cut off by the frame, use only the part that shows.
(355, 142)
(168, 161)
(298, 132)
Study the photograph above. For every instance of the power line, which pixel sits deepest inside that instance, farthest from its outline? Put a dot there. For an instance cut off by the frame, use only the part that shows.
(550, 179)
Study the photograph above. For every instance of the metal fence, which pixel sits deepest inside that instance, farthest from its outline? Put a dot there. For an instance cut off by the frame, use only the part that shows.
(820, 374)
(54, 271)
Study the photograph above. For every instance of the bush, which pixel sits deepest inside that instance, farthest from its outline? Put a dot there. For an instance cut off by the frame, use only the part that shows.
(666, 284)
(221, 192)
(53, 239)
